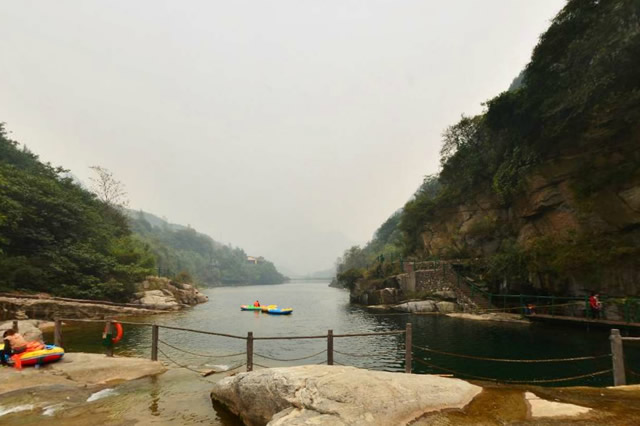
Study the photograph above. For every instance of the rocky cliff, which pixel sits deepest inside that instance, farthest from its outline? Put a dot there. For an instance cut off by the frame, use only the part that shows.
(539, 194)
(553, 227)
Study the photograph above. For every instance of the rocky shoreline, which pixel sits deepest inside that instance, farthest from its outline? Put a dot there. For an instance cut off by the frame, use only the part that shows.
(156, 295)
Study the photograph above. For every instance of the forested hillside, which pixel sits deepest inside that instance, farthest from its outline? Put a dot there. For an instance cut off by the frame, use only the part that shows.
(182, 252)
(59, 238)
(56, 237)
(542, 190)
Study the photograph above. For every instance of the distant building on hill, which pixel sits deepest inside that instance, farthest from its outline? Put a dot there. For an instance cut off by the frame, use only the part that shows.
(255, 260)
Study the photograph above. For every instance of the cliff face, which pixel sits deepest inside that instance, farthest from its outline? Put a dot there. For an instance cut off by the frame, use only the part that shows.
(550, 208)
(541, 192)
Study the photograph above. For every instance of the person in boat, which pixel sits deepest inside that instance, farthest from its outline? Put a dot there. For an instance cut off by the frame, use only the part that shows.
(14, 343)
(595, 305)
(256, 304)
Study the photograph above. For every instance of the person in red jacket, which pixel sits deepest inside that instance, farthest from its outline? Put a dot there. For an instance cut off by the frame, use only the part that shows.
(256, 304)
(595, 305)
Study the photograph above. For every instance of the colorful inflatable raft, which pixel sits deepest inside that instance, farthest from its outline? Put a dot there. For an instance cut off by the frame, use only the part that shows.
(265, 308)
(250, 308)
(278, 311)
(50, 353)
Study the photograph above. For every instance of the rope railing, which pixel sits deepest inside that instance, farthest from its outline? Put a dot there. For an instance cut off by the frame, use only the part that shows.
(291, 359)
(199, 354)
(616, 355)
(493, 379)
(186, 367)
(579, 358)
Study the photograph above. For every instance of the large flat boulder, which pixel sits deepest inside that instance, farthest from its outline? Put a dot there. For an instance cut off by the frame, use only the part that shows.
(336, 395)
(94, 369)
(79, 369)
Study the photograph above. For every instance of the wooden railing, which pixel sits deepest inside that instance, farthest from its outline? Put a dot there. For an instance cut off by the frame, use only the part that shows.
(249, 338)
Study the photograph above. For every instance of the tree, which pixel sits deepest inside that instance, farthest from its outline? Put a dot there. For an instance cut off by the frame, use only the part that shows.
(107, 188)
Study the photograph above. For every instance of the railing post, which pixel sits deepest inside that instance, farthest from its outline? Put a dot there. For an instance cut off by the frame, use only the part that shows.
(154, 342)
(108, 335)
(617, 357)
(15, 325)
(330, 347)
(250, 351)
(57, 333)
(408, 348)
(524, 308)
(587, 311)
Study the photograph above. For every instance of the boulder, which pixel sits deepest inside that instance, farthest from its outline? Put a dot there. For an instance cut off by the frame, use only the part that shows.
(539, 407)
(388, 296)
(336, 395)
(94, 369)
(30, 329)
(159, 300)
(417, 306)
(78, 370)
(446, 307)
(153, 289)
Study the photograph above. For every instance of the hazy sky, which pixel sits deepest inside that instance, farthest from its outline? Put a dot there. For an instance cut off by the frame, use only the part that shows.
(291, 128)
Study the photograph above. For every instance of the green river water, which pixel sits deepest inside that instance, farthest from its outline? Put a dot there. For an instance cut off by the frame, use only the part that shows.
(182, 396)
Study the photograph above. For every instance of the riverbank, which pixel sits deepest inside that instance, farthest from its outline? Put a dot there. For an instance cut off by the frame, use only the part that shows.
(155, 295)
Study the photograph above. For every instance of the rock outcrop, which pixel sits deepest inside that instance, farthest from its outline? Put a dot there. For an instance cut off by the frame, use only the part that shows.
(155, 295)
(333, 395)
(164, 294)
(52, 308)
(549, 207)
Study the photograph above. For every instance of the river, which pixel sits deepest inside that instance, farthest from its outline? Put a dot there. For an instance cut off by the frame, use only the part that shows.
(181, 396)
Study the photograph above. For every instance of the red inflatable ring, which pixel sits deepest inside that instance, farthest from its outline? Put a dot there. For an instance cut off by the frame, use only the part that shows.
(119, 332)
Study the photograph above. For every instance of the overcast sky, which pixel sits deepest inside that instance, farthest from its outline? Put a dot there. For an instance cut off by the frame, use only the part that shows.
(290, 128)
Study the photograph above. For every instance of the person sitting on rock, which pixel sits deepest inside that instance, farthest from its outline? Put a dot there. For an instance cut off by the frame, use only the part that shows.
(14, 343)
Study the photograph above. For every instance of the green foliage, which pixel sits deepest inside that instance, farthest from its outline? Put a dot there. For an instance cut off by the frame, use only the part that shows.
(349, 277)
(584, 256)
(185, 254)
(580, 91)
(57, 237)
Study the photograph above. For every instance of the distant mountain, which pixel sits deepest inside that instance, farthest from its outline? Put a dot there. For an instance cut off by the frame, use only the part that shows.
(153, 219)
(186, 254)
